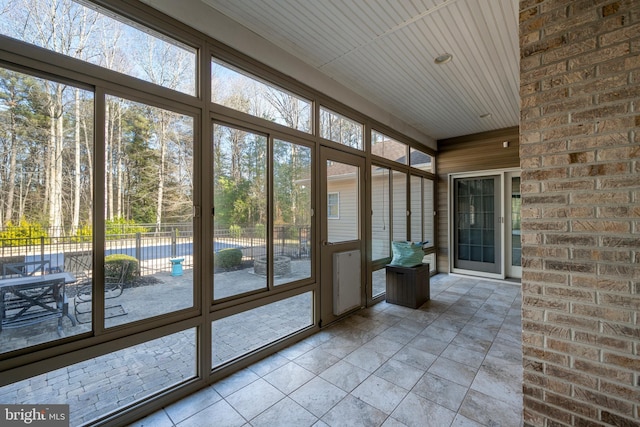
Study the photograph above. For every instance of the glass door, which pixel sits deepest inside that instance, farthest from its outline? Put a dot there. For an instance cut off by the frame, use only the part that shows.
(342, 252)
(476, 228)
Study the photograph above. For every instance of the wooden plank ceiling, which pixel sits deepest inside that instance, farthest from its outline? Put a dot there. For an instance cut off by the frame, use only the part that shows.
(384, 50)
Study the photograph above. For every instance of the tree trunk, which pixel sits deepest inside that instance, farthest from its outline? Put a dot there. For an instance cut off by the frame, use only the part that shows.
(75, 220)
(161, 170)
(119, 154)
(88, 143)
(11, 188)
(108, 160)
(56, 147)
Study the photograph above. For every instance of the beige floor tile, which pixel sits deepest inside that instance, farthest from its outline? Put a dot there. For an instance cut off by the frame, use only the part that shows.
(455, 362)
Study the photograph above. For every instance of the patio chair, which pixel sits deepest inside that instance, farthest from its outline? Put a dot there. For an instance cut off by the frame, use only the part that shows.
(8, 260)
(25, 269)
(80, 264)
(113, 288)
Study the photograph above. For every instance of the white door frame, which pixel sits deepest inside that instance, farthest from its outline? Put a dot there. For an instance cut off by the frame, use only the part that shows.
(504, 210)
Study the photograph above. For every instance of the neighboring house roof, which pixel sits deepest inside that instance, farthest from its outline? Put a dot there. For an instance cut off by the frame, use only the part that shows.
(417, 158)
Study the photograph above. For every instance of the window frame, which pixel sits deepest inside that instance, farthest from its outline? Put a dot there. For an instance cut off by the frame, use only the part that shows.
(335, 205)
(253, 77)
(323, 109)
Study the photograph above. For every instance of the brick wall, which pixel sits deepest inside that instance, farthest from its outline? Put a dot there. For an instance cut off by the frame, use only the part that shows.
(580, 160)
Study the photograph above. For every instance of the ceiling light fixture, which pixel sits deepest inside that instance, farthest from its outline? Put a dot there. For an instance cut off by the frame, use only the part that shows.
(443, 59)
(485, 116)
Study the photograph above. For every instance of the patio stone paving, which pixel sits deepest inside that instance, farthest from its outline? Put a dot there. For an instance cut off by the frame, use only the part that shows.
(165, 295)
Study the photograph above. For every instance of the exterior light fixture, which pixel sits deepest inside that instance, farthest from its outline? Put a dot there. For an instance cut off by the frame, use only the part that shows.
(485, 116)
(443, 59)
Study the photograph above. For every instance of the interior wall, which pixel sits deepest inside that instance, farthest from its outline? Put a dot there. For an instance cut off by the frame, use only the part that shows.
(477, 152)
(580, 156)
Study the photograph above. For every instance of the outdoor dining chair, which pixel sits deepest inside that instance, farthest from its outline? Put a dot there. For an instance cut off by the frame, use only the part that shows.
(113, 288)
(25, 269)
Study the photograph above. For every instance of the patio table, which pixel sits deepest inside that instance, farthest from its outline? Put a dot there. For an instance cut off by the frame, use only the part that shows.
(28, 300)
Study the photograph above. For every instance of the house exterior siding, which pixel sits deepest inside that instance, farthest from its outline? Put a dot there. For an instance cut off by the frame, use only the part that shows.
(580, 161)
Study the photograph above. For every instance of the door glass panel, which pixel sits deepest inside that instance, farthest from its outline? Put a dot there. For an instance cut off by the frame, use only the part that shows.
(380, 224)
(416, 208)
(148, 203)
(343, 223)
(516, 203)
(240, 202)
(399, 197)
(476, 232)
(292, 212)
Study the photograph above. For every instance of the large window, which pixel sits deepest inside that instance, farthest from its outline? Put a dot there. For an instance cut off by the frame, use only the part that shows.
(338, 128)
(422, 210)
(235, 89)
(392, 212)
(46, 146)
(380, 213)
(240, 203)
(383, 146)
(241, 333)
(243, 239)
(292, 237)
(421, 160)
(416, 209)
(428, 229)
(87, 32)
(113, 381)
(148, 203)
(400, 208)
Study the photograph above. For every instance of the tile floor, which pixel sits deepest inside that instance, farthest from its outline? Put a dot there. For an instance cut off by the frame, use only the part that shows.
(455, 361)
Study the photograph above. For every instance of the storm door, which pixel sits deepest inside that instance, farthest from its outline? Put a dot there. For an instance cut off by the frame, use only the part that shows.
(477, 224)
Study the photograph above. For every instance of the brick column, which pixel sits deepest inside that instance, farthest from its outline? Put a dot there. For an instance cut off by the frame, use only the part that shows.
(580, 160)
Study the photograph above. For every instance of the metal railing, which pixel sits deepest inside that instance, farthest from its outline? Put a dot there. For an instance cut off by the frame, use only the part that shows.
(153, 249)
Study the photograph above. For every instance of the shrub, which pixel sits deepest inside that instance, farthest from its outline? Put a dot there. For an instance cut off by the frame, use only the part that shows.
(119, 227)
(227, 258)
(113, 263)
(261, 231)
(83, 234)
(235, 231)
(24, 234)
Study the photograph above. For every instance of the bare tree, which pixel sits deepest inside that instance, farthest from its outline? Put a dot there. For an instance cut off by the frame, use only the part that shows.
(62, 26)
(164, 65)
